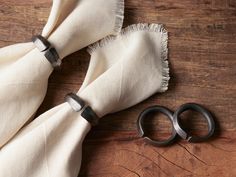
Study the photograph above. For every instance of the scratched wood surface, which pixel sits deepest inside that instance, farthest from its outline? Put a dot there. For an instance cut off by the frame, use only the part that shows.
(202, 55)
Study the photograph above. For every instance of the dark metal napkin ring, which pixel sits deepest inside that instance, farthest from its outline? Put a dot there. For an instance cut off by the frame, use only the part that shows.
(77, 104)
(141, 130)
(49, 51)
(206, 114)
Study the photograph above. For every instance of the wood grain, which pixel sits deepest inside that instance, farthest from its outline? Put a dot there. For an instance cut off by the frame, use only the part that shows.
(202, 55)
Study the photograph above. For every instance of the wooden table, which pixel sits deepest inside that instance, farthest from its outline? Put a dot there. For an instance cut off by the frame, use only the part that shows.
(202, 55)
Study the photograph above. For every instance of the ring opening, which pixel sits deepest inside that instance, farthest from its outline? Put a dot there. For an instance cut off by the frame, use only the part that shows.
(157, 126)
(194, 123)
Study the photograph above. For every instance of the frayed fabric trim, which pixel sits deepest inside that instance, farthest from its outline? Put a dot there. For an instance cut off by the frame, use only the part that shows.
(119, 11)
(143, 27)
(165, 62)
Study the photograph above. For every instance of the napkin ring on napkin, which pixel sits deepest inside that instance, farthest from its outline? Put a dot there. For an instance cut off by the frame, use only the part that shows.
(77, 104)
(49, 51)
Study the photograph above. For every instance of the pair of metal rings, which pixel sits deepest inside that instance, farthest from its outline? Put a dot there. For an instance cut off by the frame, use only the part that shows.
(77, 104)
(177, 129)
(49, 52)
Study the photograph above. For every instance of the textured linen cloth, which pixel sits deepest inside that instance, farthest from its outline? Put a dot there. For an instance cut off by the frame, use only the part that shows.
(24, 71)
(123, 71)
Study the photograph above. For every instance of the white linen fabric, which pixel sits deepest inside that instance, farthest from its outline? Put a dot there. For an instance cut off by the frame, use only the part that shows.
(24, 71)
(132, 67)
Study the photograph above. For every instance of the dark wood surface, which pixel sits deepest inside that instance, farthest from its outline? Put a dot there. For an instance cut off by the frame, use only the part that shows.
(202, 55)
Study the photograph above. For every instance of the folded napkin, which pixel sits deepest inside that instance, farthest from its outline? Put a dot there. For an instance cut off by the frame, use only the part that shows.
(133, 67)
(24, 70)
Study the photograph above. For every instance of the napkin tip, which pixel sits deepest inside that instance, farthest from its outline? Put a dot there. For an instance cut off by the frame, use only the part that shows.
(159, 28)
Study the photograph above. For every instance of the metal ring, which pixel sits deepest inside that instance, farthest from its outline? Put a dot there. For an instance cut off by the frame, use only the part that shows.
(90, 116)
(50, 52)
(41, 43)
(207, 115)
(140, 124)
(75, 102)
(78, 104)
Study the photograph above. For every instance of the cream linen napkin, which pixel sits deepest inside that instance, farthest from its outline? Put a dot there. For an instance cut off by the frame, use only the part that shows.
(133, 67)
(24, 71)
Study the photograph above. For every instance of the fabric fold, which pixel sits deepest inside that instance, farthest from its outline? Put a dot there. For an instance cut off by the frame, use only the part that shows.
(24, 70)
(134, 67)
(101, 61)
(142, 56)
